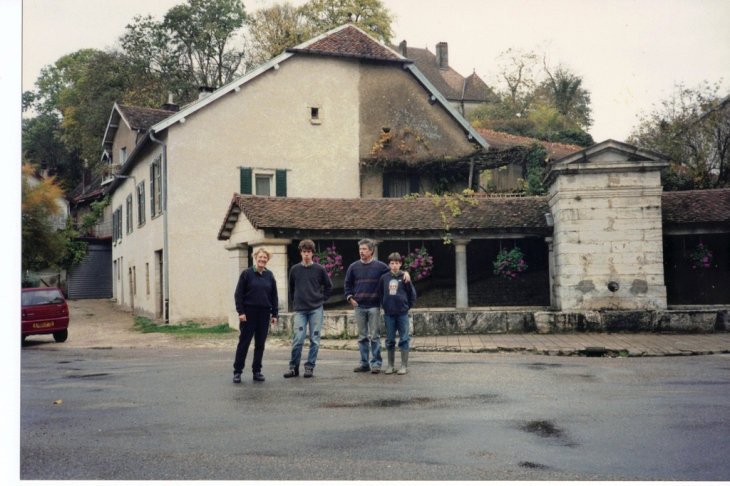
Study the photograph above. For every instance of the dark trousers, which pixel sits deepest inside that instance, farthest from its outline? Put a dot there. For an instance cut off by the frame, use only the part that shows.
(257, 327)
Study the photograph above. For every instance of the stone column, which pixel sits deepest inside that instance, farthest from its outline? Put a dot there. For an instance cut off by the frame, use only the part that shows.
(462, 285)
(551, 269)
(375, 252)
(279, 265)
(238, 261)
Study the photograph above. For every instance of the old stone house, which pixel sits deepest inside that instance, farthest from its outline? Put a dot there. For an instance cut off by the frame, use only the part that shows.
(338, 117)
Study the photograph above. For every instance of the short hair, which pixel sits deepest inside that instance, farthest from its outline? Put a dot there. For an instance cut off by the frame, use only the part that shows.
(306, 245)
(260, 250)
(366, 241)
(395, 257)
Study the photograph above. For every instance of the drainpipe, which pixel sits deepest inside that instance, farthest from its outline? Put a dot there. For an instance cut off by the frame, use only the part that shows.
(165, 253)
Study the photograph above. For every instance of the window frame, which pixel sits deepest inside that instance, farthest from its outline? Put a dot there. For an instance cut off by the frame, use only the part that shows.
(141, 216)
(129, 212)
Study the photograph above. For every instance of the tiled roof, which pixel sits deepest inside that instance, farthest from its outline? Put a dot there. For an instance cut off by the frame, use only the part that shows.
(525, 213)
(448, 82)
(143, 118)
(476, 90)
(705, 206)
(387, 214)
(350, 42)
(502, 141)
(92, 189)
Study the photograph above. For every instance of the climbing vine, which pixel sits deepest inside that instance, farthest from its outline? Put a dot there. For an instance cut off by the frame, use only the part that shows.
(451, 203)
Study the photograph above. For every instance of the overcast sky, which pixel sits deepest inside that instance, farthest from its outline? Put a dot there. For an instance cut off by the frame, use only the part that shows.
(630, 53)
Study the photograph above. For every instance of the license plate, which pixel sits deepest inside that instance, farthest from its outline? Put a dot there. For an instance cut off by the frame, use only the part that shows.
(43, 324)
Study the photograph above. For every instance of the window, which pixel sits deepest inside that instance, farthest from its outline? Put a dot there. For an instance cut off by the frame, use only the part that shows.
(156, 187)
(129, 214)
(263, 182)
(117, 224)
(134, 280)
(399, 185)
(263, 185)
(140, 204)
(315, 115)
(122, 155)
(147, 277)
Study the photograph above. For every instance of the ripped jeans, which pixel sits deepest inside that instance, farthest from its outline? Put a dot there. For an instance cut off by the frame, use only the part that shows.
(314, 317)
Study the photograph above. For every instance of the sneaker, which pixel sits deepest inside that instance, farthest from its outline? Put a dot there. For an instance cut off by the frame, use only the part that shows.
(308, 372)
(258, 377)
(376, 370)
(236, 377)
(293, 371)
(361, 369)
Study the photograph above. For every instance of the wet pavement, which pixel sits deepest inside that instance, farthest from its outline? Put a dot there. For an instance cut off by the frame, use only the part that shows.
(162, 414)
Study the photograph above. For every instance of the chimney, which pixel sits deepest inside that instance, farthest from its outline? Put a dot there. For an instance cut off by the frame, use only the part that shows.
(204, 91)
(403, 48)
(442, 56)
(170, 106)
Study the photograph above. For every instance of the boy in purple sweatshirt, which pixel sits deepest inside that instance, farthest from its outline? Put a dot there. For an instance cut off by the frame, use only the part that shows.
(396, 298)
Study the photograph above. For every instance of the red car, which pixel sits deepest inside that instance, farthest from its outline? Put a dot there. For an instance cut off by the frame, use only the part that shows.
(45, 311)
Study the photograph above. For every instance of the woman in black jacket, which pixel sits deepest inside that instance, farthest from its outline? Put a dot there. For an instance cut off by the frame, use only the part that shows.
(257, 304)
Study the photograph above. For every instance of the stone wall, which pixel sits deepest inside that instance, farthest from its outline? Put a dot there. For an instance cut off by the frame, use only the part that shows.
(341, 324)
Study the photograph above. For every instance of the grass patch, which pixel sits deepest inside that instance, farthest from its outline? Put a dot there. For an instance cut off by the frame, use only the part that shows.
(186, 329)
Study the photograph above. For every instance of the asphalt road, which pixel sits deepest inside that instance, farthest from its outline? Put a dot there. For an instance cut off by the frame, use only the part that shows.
(138, 414)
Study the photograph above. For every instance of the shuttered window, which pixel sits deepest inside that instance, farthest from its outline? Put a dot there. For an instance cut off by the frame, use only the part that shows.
(246, 180)
(280, 183)
(140, 204)
(152, 190)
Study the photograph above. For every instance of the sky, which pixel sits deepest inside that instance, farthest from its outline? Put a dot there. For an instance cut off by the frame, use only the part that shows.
(630, 53)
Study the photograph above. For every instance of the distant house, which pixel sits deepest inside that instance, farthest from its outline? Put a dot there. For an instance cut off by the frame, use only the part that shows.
(464, 94)
(338, 117)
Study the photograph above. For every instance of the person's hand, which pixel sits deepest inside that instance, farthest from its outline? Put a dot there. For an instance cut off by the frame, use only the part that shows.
(353, 302)
(406, 277)
(273, 321)
(242, 318)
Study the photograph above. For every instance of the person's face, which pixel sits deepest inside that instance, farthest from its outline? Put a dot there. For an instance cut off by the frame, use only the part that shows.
(395, 266)
(366, 253)
(306, 256)
(261, 260)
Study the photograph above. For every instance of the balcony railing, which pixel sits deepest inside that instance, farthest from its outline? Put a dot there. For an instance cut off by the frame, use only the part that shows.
(100, 230)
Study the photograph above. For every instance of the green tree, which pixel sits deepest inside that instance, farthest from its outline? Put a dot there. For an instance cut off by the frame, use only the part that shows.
(692, 128)
(370, 15)
(44, 149)
(273, 29)
(197, 43)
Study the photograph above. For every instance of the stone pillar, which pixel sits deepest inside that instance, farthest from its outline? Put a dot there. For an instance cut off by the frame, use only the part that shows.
(238, 261)
(462, 285)
(606, 204)
(551, 269)
(375, 252)
(279, 265)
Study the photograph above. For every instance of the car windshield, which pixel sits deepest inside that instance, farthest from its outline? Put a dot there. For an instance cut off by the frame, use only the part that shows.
(42, 297)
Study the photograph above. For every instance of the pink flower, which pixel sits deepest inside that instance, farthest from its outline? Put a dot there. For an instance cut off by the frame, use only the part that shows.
(709, 255)
(704, 260)
(707, 265)
(416, 250)
(700, 245)
(329, 274)
(522, 262)
(338, 258)
(694, 266)
(334, 248)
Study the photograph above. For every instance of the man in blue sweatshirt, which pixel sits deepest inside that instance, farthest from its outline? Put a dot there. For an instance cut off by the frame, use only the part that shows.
(309, 289)
(396, 297)
(361, 291)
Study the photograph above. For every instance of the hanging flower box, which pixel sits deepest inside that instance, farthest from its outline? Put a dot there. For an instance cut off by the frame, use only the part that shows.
(418, 263)
(701, 257)
(510, 263)
(330, 260)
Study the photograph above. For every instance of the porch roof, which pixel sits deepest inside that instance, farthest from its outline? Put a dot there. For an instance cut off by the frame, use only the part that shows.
(422, 215)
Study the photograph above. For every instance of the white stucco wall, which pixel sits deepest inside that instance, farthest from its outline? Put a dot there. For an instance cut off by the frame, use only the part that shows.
(265, 125)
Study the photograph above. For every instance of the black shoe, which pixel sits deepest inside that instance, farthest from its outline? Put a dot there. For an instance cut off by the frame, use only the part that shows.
(258, 377)
(236, 377)
(361, 369)
(293, 371)
(308, 372)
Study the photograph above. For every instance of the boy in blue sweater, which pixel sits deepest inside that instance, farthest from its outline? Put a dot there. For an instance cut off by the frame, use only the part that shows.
(396, 298)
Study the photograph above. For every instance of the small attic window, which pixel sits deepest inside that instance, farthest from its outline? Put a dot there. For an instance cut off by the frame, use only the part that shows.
(315, 115)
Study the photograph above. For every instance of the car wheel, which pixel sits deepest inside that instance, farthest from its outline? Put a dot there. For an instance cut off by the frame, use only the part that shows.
(60, 336)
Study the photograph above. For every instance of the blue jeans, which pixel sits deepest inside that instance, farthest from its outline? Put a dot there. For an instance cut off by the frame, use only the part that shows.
(368, 335)
(314, 317)
(397, 323)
